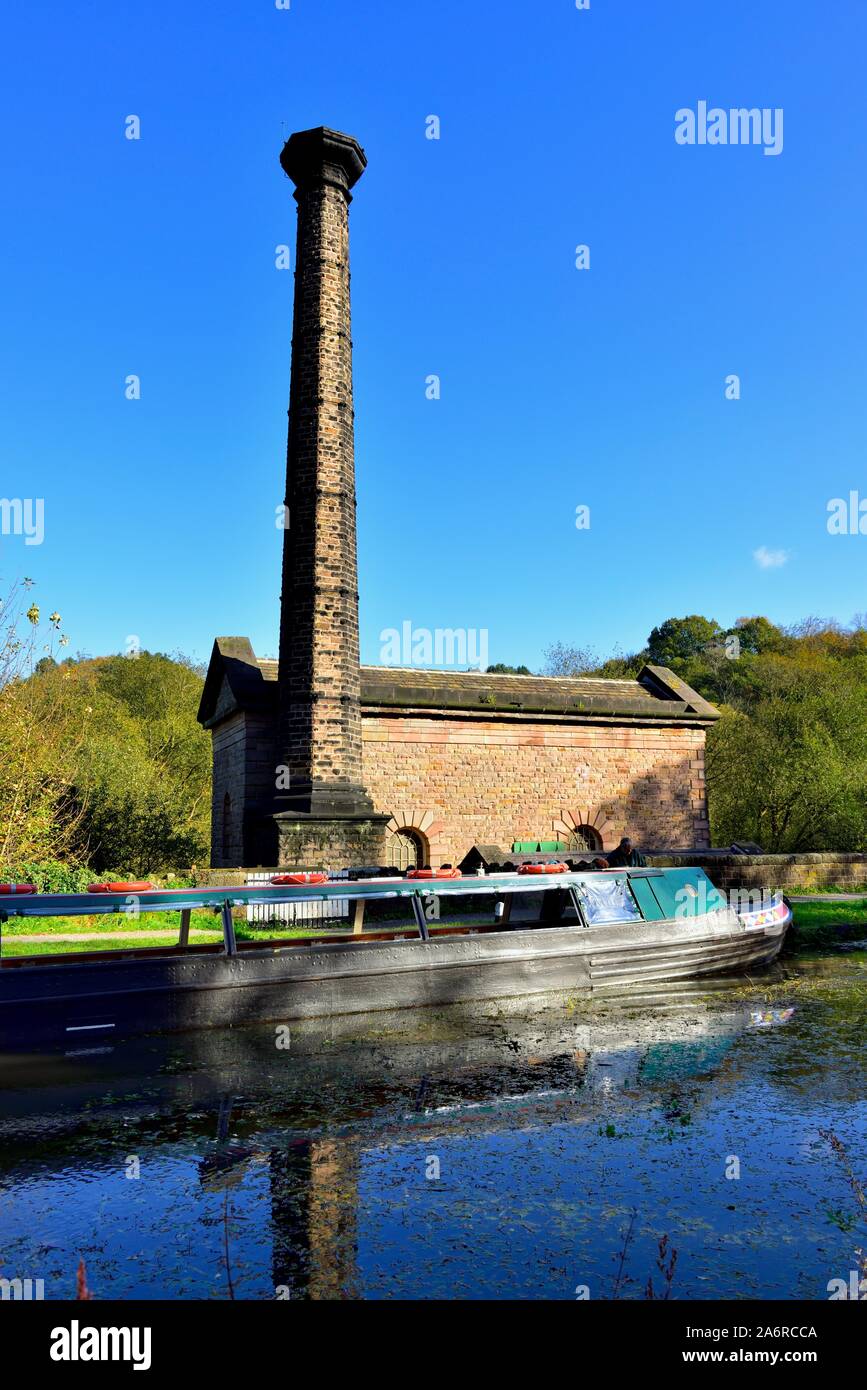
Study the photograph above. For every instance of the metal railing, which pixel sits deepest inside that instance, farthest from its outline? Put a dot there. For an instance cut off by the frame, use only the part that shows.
(297, 914)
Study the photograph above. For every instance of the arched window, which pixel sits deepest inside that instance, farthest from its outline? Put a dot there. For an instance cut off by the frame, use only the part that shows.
(405, 849)
(226, 829)
(585, 837)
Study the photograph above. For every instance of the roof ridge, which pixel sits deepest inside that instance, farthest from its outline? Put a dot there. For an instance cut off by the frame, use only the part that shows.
(496, 675)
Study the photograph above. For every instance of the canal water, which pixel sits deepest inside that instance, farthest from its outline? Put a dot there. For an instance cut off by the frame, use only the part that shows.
(542, 1151)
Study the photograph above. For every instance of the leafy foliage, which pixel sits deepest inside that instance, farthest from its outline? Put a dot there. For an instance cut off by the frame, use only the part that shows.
(51, 876)
(787, 763)
(678, 639)
(36, 818)
(102, 762)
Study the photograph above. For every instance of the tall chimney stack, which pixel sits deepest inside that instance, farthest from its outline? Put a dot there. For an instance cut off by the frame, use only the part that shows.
(324, 818)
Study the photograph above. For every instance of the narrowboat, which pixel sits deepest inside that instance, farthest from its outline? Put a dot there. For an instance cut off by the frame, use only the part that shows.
(603, 932)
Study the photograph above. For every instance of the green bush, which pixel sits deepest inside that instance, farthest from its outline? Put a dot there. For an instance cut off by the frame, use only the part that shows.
(50, 876)
(102, 762)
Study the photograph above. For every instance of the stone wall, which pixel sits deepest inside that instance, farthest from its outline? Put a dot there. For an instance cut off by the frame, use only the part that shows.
(243, 762)
(787, 872)
(228, 781)
(463, 781)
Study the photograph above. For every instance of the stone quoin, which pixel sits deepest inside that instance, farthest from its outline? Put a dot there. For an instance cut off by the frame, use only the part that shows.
(319, 762)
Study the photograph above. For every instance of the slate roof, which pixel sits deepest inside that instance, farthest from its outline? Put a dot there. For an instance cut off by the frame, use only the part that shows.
(657, 694)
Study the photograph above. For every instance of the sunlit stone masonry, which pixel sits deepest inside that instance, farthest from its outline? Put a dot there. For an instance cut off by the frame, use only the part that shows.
(319, 762)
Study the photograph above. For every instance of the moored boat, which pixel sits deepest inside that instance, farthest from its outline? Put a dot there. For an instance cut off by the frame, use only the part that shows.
(602, 932)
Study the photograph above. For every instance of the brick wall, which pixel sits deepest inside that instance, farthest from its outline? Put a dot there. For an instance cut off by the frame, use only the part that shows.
(320, 717)
(461, 781)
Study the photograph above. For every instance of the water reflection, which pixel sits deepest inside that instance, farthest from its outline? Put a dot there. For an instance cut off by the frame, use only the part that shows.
(467, 1152)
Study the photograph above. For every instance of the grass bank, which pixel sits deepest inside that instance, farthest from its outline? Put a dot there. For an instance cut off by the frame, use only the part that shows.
(826, 924)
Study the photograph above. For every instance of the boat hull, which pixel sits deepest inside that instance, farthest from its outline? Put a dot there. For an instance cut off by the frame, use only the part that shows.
(78, 1004)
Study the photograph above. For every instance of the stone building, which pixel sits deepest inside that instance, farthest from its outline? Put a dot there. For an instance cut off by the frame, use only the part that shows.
(322, 762)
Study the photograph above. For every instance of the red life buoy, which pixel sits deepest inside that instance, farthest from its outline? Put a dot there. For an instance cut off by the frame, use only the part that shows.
(130, 887)
(18, 888)
(544, 869)
(434, 873)
(295, 880)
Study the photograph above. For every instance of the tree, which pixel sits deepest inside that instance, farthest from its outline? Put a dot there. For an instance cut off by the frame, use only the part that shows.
(501, 669)
(39, 733)
(792, 773)
(144, 777)
(102, 761)
(139, 832)
(678, 639)
(564, 660)
(757, 635)
(623, 666)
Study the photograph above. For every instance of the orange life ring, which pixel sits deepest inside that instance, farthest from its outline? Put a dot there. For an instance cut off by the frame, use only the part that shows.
(18, 888)
(544, 869)
(296, 880)
(434, 873)
(131, 887)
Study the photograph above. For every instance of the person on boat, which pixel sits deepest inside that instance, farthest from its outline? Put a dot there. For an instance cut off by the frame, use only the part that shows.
(626, 856)
(601, 863)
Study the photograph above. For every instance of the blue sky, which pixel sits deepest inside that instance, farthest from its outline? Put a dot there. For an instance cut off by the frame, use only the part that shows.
(560, 387)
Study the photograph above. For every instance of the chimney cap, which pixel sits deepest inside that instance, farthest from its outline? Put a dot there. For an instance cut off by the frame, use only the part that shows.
(322, 155)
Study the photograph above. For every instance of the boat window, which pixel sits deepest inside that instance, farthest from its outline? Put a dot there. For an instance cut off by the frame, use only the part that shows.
(608, 900)
(652, 909)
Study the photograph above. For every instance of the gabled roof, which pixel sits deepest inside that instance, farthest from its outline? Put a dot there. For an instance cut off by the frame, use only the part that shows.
(234, 661)
(657, 694)
(488, 854)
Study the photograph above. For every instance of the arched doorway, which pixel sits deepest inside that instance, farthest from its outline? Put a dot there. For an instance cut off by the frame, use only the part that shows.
(405, 849)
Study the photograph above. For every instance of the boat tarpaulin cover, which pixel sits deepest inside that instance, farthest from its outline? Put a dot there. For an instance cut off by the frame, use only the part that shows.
(608, 900)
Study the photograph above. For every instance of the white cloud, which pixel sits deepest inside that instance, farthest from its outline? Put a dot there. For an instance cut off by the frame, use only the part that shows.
(770, 559)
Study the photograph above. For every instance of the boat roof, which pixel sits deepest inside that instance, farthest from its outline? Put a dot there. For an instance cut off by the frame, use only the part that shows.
(252, 894)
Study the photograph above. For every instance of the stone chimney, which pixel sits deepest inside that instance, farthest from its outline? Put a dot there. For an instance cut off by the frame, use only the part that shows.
(324, 817)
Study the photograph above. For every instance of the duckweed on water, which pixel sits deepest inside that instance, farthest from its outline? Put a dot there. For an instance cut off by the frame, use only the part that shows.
(495, 1152)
